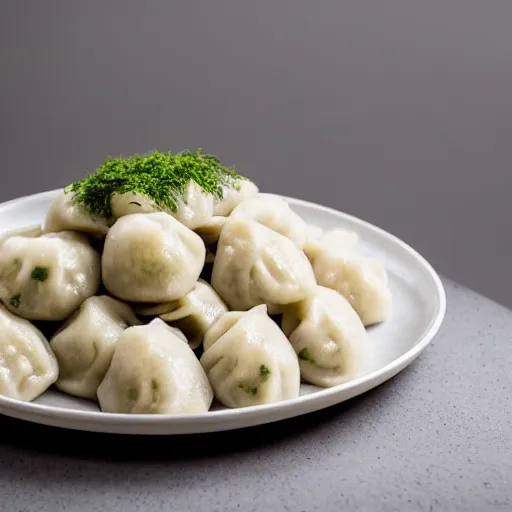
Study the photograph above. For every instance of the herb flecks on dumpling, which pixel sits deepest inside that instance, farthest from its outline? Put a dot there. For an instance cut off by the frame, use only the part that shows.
(188, 185)
(255, 265)
(28, 366)
(233, 196)
(195, 207)
(151, 258)
(193, 313)
(274, 213)
(329, 338)
(153, 371)
(48, 277)
(249, 360)
(66, 214)
(85, 343)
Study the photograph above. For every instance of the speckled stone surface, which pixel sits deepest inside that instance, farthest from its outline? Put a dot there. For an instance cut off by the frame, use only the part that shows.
(438, 437)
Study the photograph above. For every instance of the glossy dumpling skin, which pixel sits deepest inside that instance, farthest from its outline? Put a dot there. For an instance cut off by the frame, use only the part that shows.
(255, 265)
(249, 360)
(193, 313)
(327, 334)
(274, 213)
(28, 367)
(48, 277)
(232, 195)
(194, 208)
(363, 281)
(65, 215)
(210, 231)
(85, 343)
(151, 258)
(31, 231)
(334, 240)
(153, 371)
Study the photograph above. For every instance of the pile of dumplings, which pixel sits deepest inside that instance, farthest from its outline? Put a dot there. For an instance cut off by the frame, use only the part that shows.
(235, 299)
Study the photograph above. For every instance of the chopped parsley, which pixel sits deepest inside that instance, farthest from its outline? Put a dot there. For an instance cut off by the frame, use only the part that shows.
(15, 300)
(39, 274)
(264, 373)
(161, 177)
(305, 355)
(253, 389)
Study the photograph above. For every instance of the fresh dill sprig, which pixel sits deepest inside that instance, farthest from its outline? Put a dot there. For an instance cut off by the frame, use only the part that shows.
(161, 177)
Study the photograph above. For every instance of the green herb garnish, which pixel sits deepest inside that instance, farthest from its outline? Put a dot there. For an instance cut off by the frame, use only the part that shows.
(39, 274)
(253, 389)
(161, 177)
(264, 373)
(305, 355)
(15, 300)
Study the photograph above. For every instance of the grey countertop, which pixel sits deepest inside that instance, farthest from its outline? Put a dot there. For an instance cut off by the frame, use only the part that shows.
(437, 437)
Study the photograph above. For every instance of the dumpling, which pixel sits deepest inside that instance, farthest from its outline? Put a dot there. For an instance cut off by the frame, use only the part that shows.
(65, 214)
(276, 214)
(193, 313)
(27, 365)
(340, 239)
(194, 209)
(314, 232)
(363, 281)
(249, 360)
(232, 195)
(153, 371)
(335, 240)
(85, 343)
(327, 334)
(129, 203)
(210, 231)
(151, 258)
(256, 265)
(31, 231)
(48, 277)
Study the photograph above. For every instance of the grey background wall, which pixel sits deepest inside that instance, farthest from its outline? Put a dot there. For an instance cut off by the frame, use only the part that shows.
(399, 112)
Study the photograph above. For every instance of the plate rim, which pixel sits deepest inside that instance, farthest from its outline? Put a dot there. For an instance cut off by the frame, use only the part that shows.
(104, 422)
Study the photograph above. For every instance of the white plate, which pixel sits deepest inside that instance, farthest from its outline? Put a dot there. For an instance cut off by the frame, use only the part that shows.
(419, 305)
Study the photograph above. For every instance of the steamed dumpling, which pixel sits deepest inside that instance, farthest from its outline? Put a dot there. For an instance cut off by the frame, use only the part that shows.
(249, 360)
(363, 281)
(129, 203)
(210, 231)
(193, 313)
(233, 195)
(31, 231)
(328, 336)
(335, 240)
(276, 214)
(66, 215)
(85, 344)
(151, 258)
(153, 371)
(194, 209)
(48, 277)
(256, 265)
(27, 365)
